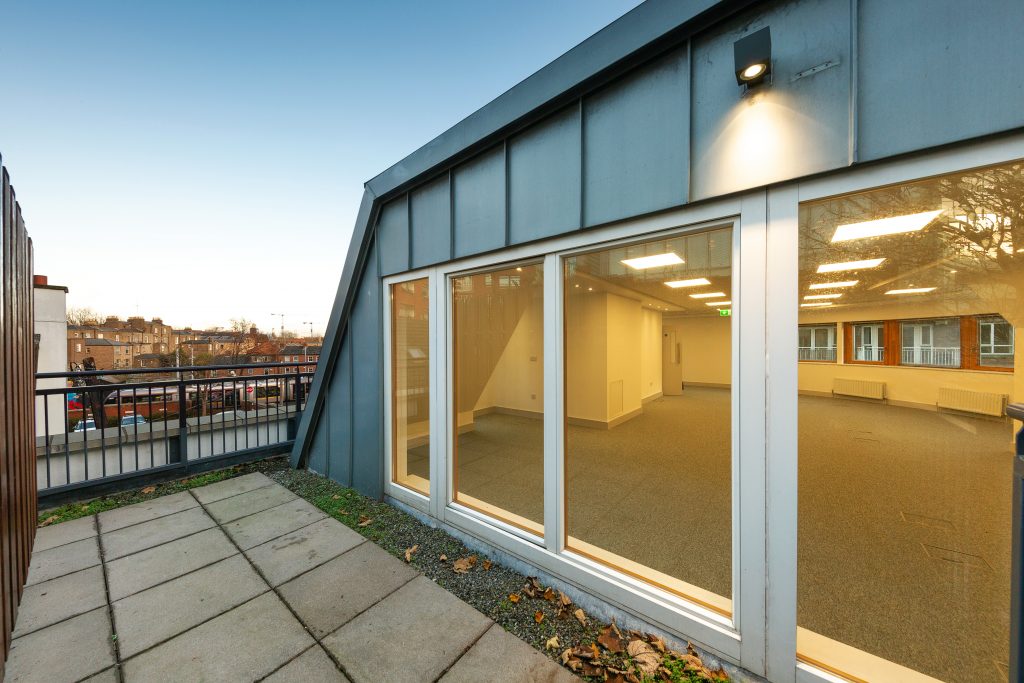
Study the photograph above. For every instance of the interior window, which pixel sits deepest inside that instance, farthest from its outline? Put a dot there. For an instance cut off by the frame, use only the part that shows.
(410, 385)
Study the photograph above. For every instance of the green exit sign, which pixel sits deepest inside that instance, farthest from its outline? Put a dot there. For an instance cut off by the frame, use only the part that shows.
(725, 312)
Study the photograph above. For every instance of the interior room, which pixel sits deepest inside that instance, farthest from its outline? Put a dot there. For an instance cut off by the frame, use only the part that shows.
(908, 309)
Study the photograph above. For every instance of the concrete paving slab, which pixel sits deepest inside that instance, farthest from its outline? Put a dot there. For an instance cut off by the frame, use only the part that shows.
(132, 539)
(285, 557)
(231, 487)
(156, 614)
(111, 520)
(244, 644)
(64, 559)
(311, 665)
(108, 676)
(146, 569)
(69, 651)
(500, 657)
(46, 603)
(333, 593)
(254, 530)
(412, 635)
(66, 532)
(230, 509)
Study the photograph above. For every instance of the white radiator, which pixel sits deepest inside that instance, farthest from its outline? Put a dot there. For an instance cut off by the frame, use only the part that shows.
(861, 388)
(981, 402)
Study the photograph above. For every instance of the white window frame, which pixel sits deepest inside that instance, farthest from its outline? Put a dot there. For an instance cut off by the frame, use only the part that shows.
(782, 325)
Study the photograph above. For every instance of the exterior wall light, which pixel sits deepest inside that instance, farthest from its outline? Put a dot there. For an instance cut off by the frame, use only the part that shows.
(753, 55)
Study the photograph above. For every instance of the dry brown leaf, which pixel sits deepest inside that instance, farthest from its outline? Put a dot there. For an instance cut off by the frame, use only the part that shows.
(580, 617)
(149, 489)
(49, 520)
(514, 598)
(610, 640)
(535, 583)
(335, 497)
(595, 670)
(442, 557)
(538, 616)
(552, 643)
(574, 664)
(566, 653)
(549, 594)
(472, 560)
(595, 651)
(529, 592)
(409, 552)
(644, 655)
(564, 599)
(583, 652)
(462, 565)
(657, 642)
(365, 521)
(487, 565)
(631, 678)
(615, 677)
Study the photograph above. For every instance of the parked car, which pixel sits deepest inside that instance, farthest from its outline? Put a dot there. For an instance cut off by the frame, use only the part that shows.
(131, 419)
(85, 426)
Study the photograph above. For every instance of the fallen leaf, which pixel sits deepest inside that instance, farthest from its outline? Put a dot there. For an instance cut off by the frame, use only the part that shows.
(487, 565)
(564, 599)
(583, 652)
(615, 677)
(580, 617)
(552, 643)
(528, 590)
(335, 497)
(535, 583)
(610, 640)
(365, 521)
(538, 616)
(657, 642)
(149, 489)
(443, 557)
(549, 594)
(595, 653)
(462, 565)
(49, 520)
(595, 670)
(644, 655)
(410, 551)
(514, 598)
(472, 560)
(574, 664)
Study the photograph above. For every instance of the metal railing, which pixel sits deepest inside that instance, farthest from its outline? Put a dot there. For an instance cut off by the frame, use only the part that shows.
(817, 353)
(941, 356)
(874, 354)
(106, 430)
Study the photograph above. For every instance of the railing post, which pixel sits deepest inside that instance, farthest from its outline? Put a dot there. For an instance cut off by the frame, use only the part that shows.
(180, 454)
(1016, 411)
(293, 422)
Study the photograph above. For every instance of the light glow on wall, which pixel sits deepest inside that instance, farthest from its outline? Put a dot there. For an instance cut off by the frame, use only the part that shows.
(656, 261)
(677, 284)
(893, 225)
(850, 265)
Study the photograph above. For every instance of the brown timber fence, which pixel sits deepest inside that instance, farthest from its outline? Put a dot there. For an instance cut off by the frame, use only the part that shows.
(17, 404)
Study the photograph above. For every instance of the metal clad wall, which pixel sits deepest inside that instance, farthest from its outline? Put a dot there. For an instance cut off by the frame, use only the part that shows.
(393, 236)
(544, 178)
(431, 218)
(799, 125)
(932, 72)
(365, 332)
(636, 138)
(479, 200)
(320, 445)
(339, 396)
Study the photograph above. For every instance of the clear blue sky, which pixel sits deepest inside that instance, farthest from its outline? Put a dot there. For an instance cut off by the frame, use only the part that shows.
(204, 160)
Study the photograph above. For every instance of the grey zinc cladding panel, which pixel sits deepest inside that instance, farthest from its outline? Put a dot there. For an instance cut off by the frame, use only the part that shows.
(339, 400)
(544, 178)
(909, 99)
(365, 333)
(636, 140)
(393, 236)
(479, 200)
(431, 222)
(319, 448)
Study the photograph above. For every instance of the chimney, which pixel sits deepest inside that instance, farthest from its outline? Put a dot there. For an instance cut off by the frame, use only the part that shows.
(39, 280)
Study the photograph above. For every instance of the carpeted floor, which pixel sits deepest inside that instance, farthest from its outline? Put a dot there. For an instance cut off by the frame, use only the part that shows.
(904, 527)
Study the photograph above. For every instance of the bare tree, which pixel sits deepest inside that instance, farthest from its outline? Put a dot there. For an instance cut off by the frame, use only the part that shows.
(79, 315)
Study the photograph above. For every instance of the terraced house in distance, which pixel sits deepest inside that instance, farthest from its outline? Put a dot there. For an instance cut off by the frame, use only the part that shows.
(713, 320)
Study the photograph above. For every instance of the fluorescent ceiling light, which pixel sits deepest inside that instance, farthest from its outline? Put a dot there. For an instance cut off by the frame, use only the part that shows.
(707, 295)
(818, 303)
(885, 226)
(912, 290)
(822, 296)
(850, 265)
(656, 261)
(719, 303)
(834, 285)
(676, 284)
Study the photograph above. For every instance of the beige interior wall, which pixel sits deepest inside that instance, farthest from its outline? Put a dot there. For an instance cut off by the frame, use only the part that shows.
(623, 359)
(517, 382)
(650, 354)
(585, 353)
(705, 348)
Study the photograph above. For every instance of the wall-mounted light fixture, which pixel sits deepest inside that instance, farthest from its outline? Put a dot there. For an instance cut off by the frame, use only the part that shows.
(753, 55)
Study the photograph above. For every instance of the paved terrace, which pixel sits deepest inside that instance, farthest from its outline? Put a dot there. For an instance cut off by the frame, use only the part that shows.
(243, 581)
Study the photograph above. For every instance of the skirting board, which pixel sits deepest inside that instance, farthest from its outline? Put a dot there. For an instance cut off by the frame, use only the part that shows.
(601, 424)
(707, 385)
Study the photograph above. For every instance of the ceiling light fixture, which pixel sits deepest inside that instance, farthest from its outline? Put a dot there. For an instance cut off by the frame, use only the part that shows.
(707, 295)
(816, 304)
(677, 284)
(850, 265)
(834, 285)
(753, 58)
(822, 296)
(893, 225)
(719, 303)
(912, 290)
(656, 261)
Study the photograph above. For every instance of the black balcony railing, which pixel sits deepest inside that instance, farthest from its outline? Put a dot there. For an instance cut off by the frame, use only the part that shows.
(100, 431)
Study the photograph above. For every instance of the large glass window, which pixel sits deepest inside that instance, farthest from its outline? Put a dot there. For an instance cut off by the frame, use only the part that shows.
(648, 376)
(499, 394)
(904, 503)
(818, 342)
(410, 385)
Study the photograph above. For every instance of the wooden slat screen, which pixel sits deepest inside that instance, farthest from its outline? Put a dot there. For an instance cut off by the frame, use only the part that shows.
(17, 405)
